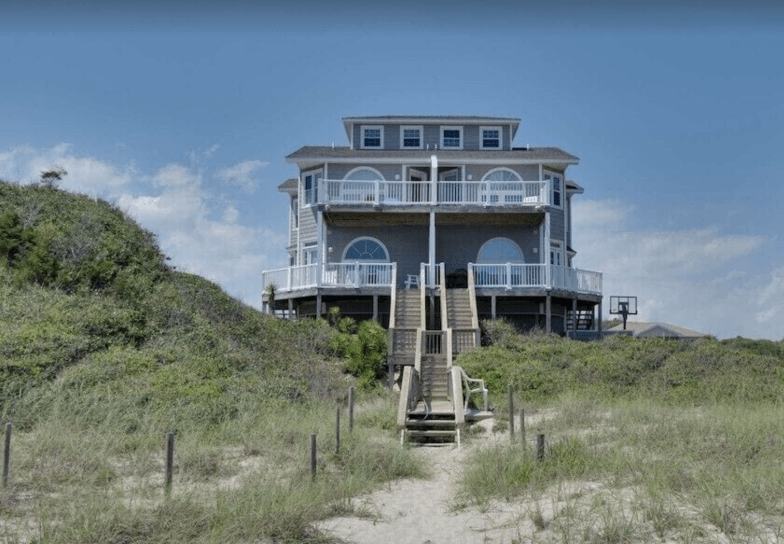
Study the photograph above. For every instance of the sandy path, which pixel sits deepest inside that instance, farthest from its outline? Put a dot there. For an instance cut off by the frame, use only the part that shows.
(421, 511)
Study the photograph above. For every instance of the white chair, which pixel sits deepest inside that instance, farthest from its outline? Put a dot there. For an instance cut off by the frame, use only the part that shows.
(413, 280)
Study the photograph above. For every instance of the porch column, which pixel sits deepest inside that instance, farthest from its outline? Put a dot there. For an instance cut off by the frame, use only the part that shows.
(574, 317)
(548, 315)
(433, 179)
(319, 248)
(318, 305)
(291, 308)
(599, 321)
(432, 244)
(546, 251)
(375, 307)
(492, 306)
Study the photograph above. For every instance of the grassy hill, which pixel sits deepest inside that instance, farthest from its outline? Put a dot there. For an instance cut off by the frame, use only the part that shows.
(104, 348)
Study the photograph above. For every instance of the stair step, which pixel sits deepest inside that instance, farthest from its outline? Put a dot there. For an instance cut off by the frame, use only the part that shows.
(411, 432)
(430, 423)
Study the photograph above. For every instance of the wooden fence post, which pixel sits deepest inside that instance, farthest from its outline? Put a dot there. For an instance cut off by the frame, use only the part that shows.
(522, 427)
(313, 457)
(7, 453)
(539, 447)
(169, 463)
(351, 410)
(337, 429)
(511, 415)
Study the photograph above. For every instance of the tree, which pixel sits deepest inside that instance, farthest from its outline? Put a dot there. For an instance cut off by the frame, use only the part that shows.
(50, 178)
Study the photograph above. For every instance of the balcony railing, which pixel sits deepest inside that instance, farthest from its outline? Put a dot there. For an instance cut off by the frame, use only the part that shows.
(332, 275)
(402, 193)
(511, 275)
(503, 276)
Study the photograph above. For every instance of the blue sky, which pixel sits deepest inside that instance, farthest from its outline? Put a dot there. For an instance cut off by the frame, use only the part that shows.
(184, 119)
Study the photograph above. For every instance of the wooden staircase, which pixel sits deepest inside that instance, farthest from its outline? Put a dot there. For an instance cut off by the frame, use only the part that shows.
(582, 320)
(432, 408)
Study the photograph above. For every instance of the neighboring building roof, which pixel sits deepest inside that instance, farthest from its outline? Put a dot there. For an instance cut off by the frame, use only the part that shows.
(646, 330)
(533, 155)
(431, 119)
(289, 186)
(574, 187)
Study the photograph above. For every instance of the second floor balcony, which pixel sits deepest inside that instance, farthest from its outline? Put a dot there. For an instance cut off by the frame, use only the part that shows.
(503, 277)
(410, 193)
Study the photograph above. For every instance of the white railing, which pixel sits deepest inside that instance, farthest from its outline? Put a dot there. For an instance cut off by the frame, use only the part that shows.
(332, 275)
(431, 274)
(511, 275)
(393, 193)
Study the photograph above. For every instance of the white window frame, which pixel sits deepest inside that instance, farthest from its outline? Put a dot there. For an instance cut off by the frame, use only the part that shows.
(500, 138)
(360, 239)
(295, 213)
(451, 127)
(503, 239)
(548, 176)
(313, 200)
(404, 128)
(557, 254)
(362, 130)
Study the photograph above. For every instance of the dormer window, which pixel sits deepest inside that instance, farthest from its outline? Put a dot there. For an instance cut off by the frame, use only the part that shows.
(452, 137)
(491, 138)
(372, 137)
(410, 137)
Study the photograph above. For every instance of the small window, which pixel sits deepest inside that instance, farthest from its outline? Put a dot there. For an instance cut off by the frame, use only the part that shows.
(556, 253)
(452, 137)
(555, 180)
(311, 182)
(295, 212)
(410, 137)
(491, 137)
(372, 137)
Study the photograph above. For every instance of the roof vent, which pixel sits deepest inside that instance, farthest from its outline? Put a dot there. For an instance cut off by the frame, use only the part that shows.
(333, 145)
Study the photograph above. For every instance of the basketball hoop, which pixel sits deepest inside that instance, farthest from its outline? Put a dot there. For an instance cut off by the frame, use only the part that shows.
(624, 306)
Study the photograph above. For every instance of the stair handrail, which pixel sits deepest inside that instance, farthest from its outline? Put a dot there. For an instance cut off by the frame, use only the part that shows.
(445, 317)
(405, 395)
(422, 292)
(472, 301)
(457, 395)
(467, 382)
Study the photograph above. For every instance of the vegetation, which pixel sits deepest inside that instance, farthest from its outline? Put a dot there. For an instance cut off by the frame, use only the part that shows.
(647, 439)
(104, 349)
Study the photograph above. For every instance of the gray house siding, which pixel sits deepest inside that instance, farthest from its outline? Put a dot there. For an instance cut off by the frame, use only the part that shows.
(456, 245)
(308, 223)
(407, 245)
(339, 171)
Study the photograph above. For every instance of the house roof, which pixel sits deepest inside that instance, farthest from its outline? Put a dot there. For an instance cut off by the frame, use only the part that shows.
(289, 186)
(533, 155)
(640, 328)
(445, 119)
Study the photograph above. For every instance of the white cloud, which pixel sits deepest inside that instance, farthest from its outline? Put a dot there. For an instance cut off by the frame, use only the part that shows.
(692, 277)
(241, 174)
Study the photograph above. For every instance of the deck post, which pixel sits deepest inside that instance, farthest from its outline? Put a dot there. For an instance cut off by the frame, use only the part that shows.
(599, 321)
(318, 305)
(548, 313)
(574, 318)
(375, 307)
(492, 306)
(291, 308)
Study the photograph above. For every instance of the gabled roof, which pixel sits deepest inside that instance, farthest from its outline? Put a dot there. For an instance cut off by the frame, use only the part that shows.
(642, 329)
(431, 119)
(533, 155)
(289, 186)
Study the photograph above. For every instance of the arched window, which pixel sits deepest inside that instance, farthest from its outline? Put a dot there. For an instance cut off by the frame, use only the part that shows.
(366, 249)
(364, 174)
(498, 251)
(502, 174)
(359, 185)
